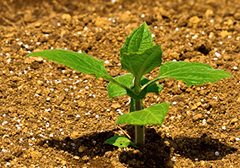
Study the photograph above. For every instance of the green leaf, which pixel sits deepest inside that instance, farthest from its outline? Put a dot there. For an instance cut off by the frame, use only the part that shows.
(153, 115)
(78, 61)
(192, 73)
(139, 40)
(115, 90)
(120, 141)
(141, 63)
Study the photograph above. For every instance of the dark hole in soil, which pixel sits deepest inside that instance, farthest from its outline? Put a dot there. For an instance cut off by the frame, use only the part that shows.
(203, 50)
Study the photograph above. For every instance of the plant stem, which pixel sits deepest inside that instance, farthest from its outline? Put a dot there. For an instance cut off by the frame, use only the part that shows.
(139, 130)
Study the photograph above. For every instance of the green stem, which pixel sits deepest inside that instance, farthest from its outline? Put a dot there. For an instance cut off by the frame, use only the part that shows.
(139, 130)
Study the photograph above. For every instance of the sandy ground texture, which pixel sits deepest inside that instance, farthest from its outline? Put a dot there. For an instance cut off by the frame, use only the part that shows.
(53, 116)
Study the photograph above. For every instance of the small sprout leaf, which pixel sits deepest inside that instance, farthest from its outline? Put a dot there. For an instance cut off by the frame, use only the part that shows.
(192, 73)
(141, 63)
(78, 61)
(115, 90)
(139, 40)
(120, 141)
(153, 115)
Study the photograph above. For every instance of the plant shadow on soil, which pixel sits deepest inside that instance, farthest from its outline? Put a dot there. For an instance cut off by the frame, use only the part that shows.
(157, 152)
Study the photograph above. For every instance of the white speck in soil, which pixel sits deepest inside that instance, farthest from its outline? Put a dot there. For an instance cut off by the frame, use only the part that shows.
(174, 103)
(224, 127)
(142, 15)
(229, 37)
(153, 35)
(119, 111)
(216, 153)
(106, 62)
(235, 67)
(215, 98)
(203, 121)
(195, 36)
(217, 54)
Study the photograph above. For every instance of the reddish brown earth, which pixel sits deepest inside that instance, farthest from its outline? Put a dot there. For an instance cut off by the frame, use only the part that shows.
(52, 116)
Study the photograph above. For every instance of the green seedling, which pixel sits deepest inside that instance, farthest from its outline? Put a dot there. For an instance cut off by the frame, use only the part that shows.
(139, 55)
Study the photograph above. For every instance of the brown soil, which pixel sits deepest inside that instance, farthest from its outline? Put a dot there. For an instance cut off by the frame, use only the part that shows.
(51, 116)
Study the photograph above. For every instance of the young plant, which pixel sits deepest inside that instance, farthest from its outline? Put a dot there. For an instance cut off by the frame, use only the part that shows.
(139, 55)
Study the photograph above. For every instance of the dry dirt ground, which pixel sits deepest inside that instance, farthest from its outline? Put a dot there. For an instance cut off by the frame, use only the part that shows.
(52, 116)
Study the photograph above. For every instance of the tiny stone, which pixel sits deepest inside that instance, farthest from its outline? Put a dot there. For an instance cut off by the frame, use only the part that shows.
(198, 117)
